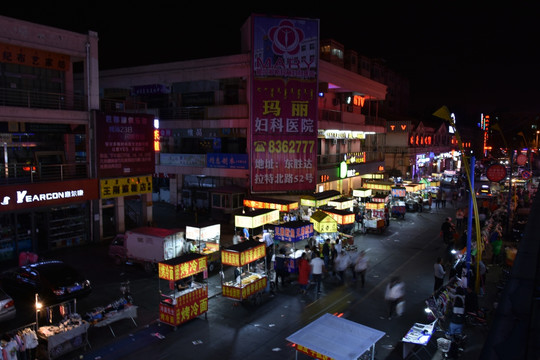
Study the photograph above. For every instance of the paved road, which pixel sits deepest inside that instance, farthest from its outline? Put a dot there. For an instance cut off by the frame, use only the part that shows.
(408, 248)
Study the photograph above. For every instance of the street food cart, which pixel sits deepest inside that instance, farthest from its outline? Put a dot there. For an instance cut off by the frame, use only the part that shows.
(325, 225)
(293, 232)
(207, 238)
(182, 299)
(397, 204)
(344, 218)
(250, 278)
(255, 220)
(375, 217)
(333, 337)
(361, 196)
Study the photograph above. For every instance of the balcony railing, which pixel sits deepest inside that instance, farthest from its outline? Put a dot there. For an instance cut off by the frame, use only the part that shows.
(42, 100)
(17, 173)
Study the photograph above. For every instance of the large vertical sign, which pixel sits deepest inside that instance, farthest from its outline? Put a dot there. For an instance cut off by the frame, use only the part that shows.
(285, 61)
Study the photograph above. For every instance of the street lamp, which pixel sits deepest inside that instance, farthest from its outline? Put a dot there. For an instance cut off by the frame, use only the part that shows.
(39, 305)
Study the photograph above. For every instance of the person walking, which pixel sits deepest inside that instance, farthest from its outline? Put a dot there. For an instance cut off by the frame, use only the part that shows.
(340, 265)
(304, 271)
(443, 199)
(361, 267)
(459, 218)
(439, 273)
(394, 294)
(317, 269)
(326, 253)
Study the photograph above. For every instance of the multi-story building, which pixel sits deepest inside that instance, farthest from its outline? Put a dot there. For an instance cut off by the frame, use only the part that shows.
(48, 194)
(206, 131)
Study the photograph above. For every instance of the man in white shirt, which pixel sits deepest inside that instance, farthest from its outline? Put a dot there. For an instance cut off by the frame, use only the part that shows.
(317, 269)
(438, 271)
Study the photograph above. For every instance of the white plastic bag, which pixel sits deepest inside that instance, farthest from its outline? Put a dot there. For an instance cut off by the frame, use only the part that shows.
(400, 307)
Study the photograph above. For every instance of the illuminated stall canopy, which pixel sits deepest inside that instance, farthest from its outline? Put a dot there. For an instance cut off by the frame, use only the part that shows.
(382, 198)
(379, 185)
(341, 203)
(293, 231)
(256, 218)
(323, 222)
(342, 217)
(203, 232)
(319, 199)
(375, 205)
(415, 187)
(362, 192)
(269, 203)
(182, 266)
(244, 253)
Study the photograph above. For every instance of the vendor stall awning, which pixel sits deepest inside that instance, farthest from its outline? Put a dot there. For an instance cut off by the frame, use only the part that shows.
(341, 203)
(319, 199)
(269, 203)
(243, 253)
(332, 337)
(203, 232)
(293, 231)
(362, 192)
(415, 187)
(379, 185)
(342, 217)
(256, 218)
(323, 222)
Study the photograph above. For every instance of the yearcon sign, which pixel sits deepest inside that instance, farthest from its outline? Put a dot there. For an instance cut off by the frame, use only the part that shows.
(285, 61)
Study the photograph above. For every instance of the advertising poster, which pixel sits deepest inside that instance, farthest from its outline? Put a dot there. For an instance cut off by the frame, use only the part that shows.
(285, 61)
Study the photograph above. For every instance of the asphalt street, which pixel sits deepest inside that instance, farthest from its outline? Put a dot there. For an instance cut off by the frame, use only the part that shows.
(407, 248)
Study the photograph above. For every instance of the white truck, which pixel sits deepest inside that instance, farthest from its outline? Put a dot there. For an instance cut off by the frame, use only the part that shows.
(148, 246)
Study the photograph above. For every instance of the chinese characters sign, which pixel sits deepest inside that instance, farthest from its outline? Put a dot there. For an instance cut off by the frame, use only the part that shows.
(235, 258)
(125, 144)
(19, 55)
(240, 293)
(284, 104)
(188, 306)
(303, 231)
(111, 188)
(181, 270)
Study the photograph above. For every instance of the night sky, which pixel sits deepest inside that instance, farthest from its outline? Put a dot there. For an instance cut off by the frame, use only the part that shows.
(471, 59)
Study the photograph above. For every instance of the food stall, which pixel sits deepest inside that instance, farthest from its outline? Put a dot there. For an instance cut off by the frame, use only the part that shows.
(333, 337)
(374, 219)
(183, 299)
(344, 218)
(362, 195)
(293, 232)
(253, 220)
(250, 278)
(207, 238)
(325, 225)
(397, 204)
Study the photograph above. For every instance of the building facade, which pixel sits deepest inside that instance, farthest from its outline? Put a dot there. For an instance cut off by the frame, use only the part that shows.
(47, 187)
(204, 112)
